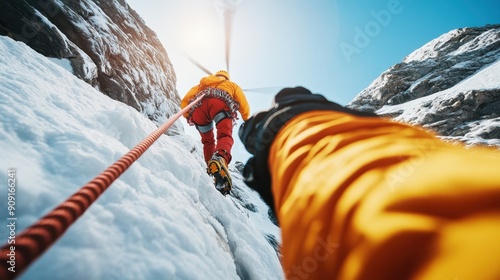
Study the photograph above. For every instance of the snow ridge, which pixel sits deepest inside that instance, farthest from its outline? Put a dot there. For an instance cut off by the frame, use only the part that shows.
(109, 47)
(441, 45)
(450, 86)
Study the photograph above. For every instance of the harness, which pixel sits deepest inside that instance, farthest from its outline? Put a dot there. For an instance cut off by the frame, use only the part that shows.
(219, 94)
(218, 117)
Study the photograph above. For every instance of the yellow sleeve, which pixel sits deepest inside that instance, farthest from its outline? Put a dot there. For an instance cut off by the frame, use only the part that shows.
(240, 97)
(368, 198)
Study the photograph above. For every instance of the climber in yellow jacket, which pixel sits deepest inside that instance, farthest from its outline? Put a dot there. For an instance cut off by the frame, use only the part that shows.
(362, 197)
(222, 101)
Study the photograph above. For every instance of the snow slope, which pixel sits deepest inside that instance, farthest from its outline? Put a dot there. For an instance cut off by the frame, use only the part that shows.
(106, 43)
(437, 66)
(439, 46)
(162, 219)
(420, 110)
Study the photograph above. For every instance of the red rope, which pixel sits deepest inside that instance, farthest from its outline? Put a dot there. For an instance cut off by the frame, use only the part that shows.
(37, 238)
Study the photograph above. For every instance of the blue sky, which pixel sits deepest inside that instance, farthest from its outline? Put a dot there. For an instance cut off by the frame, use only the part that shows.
(336, 48)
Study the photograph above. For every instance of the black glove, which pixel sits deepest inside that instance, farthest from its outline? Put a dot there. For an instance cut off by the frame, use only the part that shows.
(258, 132)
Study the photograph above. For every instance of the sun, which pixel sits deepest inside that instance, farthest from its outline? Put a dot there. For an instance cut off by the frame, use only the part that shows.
(202, 36)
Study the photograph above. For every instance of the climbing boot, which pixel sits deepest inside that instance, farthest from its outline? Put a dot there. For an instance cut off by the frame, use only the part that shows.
(217, 167)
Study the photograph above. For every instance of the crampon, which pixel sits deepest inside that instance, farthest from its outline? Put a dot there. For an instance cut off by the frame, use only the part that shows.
(222, 179)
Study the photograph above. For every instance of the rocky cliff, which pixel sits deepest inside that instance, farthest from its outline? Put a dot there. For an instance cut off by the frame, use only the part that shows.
(106, 44)
(449, 85)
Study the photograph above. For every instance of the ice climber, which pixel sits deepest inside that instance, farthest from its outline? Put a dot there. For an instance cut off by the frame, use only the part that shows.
(364, 197)
(220, 105)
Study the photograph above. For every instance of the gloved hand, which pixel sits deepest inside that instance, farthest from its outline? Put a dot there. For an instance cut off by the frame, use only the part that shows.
(258, 132)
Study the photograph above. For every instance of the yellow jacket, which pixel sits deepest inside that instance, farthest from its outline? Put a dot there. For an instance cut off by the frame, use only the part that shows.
(368, 198)
(215, 82)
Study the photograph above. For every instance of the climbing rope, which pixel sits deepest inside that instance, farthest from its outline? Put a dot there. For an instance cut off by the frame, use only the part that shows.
(37, 238)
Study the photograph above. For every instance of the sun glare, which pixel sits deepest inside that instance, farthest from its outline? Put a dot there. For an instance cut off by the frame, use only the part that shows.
(202, 36)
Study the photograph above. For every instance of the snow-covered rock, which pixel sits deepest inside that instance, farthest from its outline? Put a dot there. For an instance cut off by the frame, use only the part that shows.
(450, 85)
(107, 44)
(438, 65)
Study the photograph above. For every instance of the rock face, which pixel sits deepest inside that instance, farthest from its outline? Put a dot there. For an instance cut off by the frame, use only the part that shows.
(107, 43)
(450, 85)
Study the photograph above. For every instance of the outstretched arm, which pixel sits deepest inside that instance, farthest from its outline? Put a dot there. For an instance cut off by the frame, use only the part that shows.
(367, 198)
